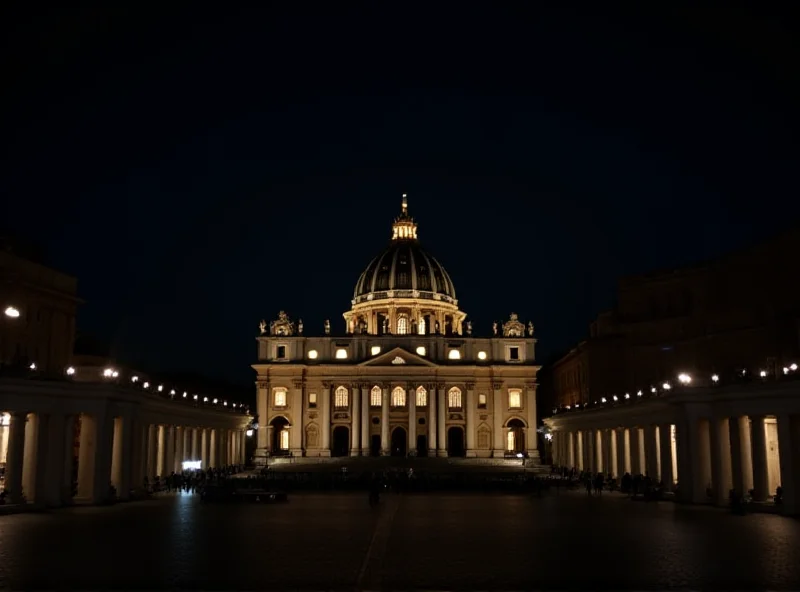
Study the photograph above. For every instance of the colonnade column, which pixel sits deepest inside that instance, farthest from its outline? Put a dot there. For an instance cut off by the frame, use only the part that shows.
(53, 494)
(720, 459)
(365, 420)
(760, 455)
(152, 452)
(162, 444)
(570, 450)
(470, 427)
(355, 432)
(121, 457)
(665, 449)
(789, 452)
(741, 454)
(385, 444)
(186, 447)
(619, 439)
(652, 448)
(177, 459)
(243, 447)
(441, 439)
(432, 419)
(196, 443)
(204, 441)
(412, 418)
(15, 456)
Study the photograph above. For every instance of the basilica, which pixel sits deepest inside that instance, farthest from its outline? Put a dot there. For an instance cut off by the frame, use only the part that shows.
(404, 377)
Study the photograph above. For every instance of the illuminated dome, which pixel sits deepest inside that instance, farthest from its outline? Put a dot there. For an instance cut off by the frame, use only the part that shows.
(409, 281)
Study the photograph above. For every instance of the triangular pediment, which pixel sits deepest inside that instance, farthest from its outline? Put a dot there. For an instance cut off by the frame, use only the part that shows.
(397, 358)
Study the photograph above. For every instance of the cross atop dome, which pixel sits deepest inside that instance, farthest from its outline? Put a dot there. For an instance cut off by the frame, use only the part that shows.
(404, 227)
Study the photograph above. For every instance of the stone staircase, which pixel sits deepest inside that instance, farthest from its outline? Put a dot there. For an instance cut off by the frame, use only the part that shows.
(441, 465)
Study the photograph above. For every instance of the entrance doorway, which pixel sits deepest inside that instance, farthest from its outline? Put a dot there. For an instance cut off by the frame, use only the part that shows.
(399, 441)
(375, 445)
(422, 445)
(341, 441)
(455, 442)
(280, 436)
(516, 436)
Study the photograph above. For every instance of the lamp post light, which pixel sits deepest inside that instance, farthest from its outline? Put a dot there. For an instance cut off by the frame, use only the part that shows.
(12, 312)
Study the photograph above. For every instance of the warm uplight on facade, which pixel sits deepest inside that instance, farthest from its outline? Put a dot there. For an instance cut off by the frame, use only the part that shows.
(481, 355)
(12, 312)
(215, 401)
(70, 371)
(32, 366)
(666, 386)
(146, 385)
(421, 350)
(160, 387)
(376, 349)
(341, 354)
(684, 378)
(312, 354)
(134, 379)
(454, 354)
(715, 377)
(249, 433)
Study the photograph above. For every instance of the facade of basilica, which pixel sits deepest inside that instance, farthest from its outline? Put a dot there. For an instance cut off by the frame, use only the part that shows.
(406, 377)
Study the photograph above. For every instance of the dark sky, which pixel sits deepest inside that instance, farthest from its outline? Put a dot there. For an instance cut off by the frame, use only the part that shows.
(201, 169)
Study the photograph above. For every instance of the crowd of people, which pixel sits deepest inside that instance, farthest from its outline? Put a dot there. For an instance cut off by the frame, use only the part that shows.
(632, 485)
(191, 480)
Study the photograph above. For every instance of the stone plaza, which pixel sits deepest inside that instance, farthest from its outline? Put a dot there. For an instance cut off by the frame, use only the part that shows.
(424, 541)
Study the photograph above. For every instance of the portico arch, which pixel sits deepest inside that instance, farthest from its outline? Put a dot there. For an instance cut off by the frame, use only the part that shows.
(279, 437)
(515, 437)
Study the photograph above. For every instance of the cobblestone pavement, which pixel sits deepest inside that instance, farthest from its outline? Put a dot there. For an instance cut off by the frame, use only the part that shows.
(432, 542)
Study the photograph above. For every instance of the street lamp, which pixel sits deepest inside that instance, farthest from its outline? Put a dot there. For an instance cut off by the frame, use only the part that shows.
(12, 312)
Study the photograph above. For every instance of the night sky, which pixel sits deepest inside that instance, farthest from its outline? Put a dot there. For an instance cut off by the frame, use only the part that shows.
(199, 170)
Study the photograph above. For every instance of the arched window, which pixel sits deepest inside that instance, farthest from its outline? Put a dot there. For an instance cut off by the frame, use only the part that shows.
(422, 397)
(340, 400)
(402, 325)
(454, 398)
(398, 397)
(421, 326)
(375, 396)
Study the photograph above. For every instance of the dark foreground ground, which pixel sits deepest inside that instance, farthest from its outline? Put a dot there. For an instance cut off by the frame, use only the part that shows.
(427, 541)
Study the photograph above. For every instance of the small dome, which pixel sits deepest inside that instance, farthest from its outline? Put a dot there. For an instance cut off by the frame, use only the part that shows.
(405, 268)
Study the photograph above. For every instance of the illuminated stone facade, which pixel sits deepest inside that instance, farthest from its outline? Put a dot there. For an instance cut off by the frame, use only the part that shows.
(406, 377)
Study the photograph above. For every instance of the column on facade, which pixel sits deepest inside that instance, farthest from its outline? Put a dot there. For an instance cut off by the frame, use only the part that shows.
(243, 460)
(789, 454)
(296, 433)
(721, 474)
(652, 447)
(760, 456)
(741, 454)
(15, 456)
(355, 431)
(325, 445)
(432, 419)
(365, 420)
(385, 443)
(263, 442)
(441, 423)
(412, 418)
(532, 441)
(665, 451)
(497, 420)
(471, 424)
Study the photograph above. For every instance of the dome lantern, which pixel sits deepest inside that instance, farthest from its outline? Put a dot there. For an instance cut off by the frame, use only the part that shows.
(404, 227)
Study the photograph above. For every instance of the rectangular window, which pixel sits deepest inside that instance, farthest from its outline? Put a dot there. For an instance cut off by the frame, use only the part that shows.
(482, 401)
(280, 397)
(514, 399)
(312, 400)
(284, 439)
(513, 353)
(280, 352)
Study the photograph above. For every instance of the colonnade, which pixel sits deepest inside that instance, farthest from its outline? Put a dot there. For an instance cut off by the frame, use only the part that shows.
(47, 454)
(698, 453)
